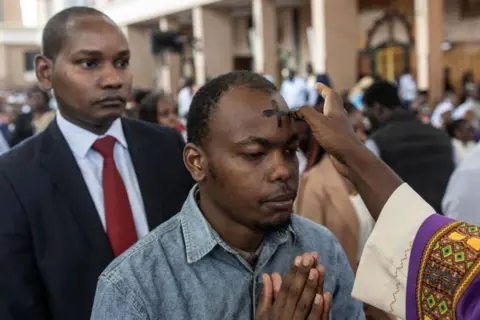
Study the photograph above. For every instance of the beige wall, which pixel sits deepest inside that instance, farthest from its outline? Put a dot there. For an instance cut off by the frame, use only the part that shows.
(241, 46)
(11, 13)
(264, 13)
(12, 66)
(141, 62)
(334, 41)
(457, 29)
(305, 22)
(341, 56)
(169, 66)
(213, 28)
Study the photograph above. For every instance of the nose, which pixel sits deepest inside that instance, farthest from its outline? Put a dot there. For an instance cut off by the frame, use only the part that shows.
(111, 77)
(282, 167)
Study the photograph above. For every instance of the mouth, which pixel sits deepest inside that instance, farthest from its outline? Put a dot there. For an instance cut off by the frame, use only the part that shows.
(281, 202)
(112, 103)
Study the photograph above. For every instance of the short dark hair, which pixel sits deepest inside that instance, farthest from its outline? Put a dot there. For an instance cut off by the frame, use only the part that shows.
(205, 101)
(55, 31)
(147, 109)
(453, 126)
(36, 88)
(384, 93)
(139, 95)
(349, 107)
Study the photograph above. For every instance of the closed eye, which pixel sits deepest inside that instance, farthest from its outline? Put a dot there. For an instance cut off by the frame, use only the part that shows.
(254, 156)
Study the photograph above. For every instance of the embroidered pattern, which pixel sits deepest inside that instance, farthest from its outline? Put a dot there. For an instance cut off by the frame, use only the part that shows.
(407, 253)
(450, 261)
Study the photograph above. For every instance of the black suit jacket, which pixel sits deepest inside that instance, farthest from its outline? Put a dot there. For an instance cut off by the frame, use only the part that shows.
(52, 244)
(23, 128)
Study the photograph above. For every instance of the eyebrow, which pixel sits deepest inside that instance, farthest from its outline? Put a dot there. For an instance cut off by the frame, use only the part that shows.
(122, 53)
(267, 143)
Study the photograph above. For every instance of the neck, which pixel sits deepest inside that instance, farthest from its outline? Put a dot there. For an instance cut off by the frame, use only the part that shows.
(232, 232)
(98, 129)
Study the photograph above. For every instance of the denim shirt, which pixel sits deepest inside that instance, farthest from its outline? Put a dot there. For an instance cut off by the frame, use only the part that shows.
(184, 270)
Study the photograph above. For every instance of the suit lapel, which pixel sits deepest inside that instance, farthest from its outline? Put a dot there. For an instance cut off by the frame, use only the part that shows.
(145, 160)
(59, 161)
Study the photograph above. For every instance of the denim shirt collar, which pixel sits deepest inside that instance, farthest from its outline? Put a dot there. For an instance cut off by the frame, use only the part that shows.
(200, 238)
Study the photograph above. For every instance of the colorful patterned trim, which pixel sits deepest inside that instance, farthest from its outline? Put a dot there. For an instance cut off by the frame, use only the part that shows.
(449, 263)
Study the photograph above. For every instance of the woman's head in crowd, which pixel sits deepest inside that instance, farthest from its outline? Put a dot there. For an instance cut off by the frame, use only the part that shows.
(159, 108)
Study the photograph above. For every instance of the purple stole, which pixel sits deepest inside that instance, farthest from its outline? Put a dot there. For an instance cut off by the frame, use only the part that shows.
(443, 276)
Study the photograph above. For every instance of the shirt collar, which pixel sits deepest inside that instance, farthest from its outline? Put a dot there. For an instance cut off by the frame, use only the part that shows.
(80, 140)
(200, 238)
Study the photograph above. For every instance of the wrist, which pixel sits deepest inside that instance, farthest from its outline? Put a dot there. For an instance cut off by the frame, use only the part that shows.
(358, 158)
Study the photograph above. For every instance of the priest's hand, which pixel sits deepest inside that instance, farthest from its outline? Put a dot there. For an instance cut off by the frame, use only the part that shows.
(373, 179)
(300, 296)
(332, 128)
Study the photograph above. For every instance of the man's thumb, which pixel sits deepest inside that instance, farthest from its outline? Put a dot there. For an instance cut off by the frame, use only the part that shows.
(265, 302)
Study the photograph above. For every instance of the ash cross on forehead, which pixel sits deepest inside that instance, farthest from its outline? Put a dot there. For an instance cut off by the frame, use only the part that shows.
(275, 111)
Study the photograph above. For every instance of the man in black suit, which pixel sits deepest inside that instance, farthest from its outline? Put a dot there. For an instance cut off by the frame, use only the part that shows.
(80, 193)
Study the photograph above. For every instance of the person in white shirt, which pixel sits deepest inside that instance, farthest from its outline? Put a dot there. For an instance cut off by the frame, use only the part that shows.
(461, 200)
(416, 264)
(294, 90)
(442, 114)
(463, 142)
(407, 88)
(185, 96)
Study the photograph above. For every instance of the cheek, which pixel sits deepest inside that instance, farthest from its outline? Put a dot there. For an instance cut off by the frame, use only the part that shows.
(74, 89)
(127, 78)
(237, 177)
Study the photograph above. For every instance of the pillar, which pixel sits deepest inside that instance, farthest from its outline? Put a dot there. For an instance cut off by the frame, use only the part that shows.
(305, 23)
(334, 40)
(213, 53)
(169, 62)
(11, 13)
(265, 58)
(285, 19)
(141, 59)
(428, 41)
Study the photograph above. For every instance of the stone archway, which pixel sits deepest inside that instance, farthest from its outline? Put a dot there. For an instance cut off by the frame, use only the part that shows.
(389, 43)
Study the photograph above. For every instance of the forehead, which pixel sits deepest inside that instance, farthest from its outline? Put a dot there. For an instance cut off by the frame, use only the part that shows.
(93, 33)
(239, 115)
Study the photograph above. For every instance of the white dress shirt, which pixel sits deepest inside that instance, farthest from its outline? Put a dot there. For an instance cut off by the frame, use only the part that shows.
(294, 92)
(365, 222)
(4, 147)
(302, 161)
(90, 163)
(461, 200)
(407, 88)
(185, 97)
(381, 278)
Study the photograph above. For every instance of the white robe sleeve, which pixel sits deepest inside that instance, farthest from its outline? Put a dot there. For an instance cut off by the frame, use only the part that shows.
(381, 278)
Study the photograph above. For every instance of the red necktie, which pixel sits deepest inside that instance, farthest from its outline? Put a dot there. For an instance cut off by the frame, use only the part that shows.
(118, 213)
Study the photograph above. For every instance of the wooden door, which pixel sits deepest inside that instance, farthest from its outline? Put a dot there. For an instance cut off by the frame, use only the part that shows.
(390, 62)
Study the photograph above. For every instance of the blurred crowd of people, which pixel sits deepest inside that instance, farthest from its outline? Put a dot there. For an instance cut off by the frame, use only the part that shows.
(92, 158)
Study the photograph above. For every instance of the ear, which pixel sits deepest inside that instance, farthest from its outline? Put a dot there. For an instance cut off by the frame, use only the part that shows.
(44, 70)
(195, 161)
